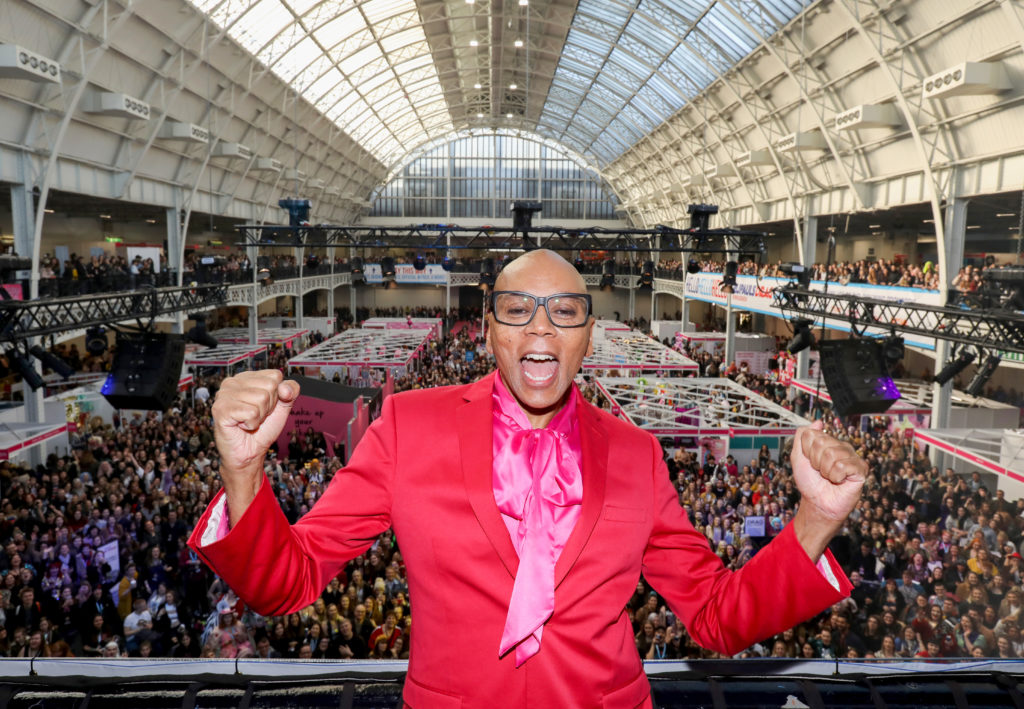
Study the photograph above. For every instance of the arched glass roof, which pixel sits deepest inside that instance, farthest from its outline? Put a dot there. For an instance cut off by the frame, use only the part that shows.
(594, 75)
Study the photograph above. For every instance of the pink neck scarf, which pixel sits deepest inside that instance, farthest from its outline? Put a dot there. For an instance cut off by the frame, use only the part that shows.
(538, 485)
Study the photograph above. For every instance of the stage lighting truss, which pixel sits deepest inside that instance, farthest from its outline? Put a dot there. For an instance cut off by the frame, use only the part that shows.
(995, 330)
(24, 319)
(440, 237)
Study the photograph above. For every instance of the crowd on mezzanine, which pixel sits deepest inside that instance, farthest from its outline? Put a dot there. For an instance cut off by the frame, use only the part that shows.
(933, 556)
(880, 272)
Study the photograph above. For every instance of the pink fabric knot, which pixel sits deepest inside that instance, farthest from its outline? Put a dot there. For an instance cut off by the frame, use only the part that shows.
(538, 486)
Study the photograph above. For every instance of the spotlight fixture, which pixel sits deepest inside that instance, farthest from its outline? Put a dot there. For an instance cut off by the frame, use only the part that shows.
(954, 367)
(729, 277)
(802, 336)
(647, 274)
(96, 340)
(52, 362)
(198, 333)
(487, 276)
(24, 367)
(420, 262)
(693, 266)
(893, 349)
(447, 263)
(608, 275)
(357, 271)
(264, 276)
(387, 267)
(797, 271)
(984, 373)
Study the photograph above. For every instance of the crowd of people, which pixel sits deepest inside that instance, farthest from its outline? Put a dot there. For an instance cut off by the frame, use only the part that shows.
(880, 272)
(94, 561)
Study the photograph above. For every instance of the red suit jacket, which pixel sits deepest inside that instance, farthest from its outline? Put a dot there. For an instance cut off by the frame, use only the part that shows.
(424, 468)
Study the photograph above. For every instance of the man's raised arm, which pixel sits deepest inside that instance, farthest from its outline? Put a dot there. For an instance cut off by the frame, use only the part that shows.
(248, 415)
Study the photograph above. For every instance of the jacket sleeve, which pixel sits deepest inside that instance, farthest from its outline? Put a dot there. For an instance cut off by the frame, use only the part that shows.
(727, 611)
(279, 568)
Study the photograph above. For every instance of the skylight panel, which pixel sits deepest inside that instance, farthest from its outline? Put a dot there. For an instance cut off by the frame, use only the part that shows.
(223, 12)
(321, 88)
(611, 12)
(398, 40)
(345, 25)
(301, 55)
(373, 51)
(261, 24)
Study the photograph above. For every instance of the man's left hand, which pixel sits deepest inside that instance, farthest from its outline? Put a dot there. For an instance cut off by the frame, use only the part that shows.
(829, 475)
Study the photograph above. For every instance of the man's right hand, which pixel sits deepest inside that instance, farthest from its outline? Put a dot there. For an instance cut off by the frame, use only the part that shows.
(249, 414)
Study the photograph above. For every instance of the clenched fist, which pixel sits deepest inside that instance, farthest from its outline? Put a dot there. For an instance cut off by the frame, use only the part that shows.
(248, 415)
(829, 475)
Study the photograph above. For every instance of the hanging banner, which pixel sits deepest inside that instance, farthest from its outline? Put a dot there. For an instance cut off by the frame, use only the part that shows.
(755, 295)
(406, 273)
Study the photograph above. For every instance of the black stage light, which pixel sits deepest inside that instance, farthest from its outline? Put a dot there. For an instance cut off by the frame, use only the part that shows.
(893, 350)
(608, 276)
(447, 263)
(729, 277)
(954, 367)
(798, 271)
(96, 340)
(24, 367)
(357, 271)
(264, 276)
(693, 266)
(420, 262)
(984, 373)
(52, 361)
(802, 336)
(387, 267)
(647, 274)
(487, 276)
(199, 334)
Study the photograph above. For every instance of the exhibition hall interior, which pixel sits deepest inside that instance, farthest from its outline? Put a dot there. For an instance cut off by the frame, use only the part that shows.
(785, 212)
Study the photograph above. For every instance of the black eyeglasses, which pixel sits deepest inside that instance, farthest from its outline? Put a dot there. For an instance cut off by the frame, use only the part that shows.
(517, 308)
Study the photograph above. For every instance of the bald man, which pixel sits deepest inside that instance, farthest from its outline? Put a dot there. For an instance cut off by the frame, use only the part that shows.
(525, 517)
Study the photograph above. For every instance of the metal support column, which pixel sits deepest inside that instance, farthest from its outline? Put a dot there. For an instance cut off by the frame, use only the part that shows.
(176, 258)
(24, 216)
(447, 283)
(808, 247)
(254, 314)
(730, 331)
(730, 314)
(300, 258)
(956, 230)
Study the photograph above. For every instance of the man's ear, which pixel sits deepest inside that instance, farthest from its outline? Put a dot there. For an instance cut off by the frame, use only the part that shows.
(590, 338)
(487, 335)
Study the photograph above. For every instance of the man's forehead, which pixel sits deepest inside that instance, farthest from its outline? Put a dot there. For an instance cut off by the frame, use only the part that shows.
(540, 272)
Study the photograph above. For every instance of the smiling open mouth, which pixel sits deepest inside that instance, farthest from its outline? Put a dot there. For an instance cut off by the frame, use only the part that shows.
(539, 368)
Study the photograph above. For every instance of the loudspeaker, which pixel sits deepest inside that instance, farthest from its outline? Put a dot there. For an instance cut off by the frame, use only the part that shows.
(145, 372)
(856, 376)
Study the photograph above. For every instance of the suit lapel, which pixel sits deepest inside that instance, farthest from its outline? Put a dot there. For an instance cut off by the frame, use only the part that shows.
(475, 428)
(594, 445)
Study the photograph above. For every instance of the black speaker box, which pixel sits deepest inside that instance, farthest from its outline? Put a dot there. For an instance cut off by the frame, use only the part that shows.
(145, 372)
(856, 377)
